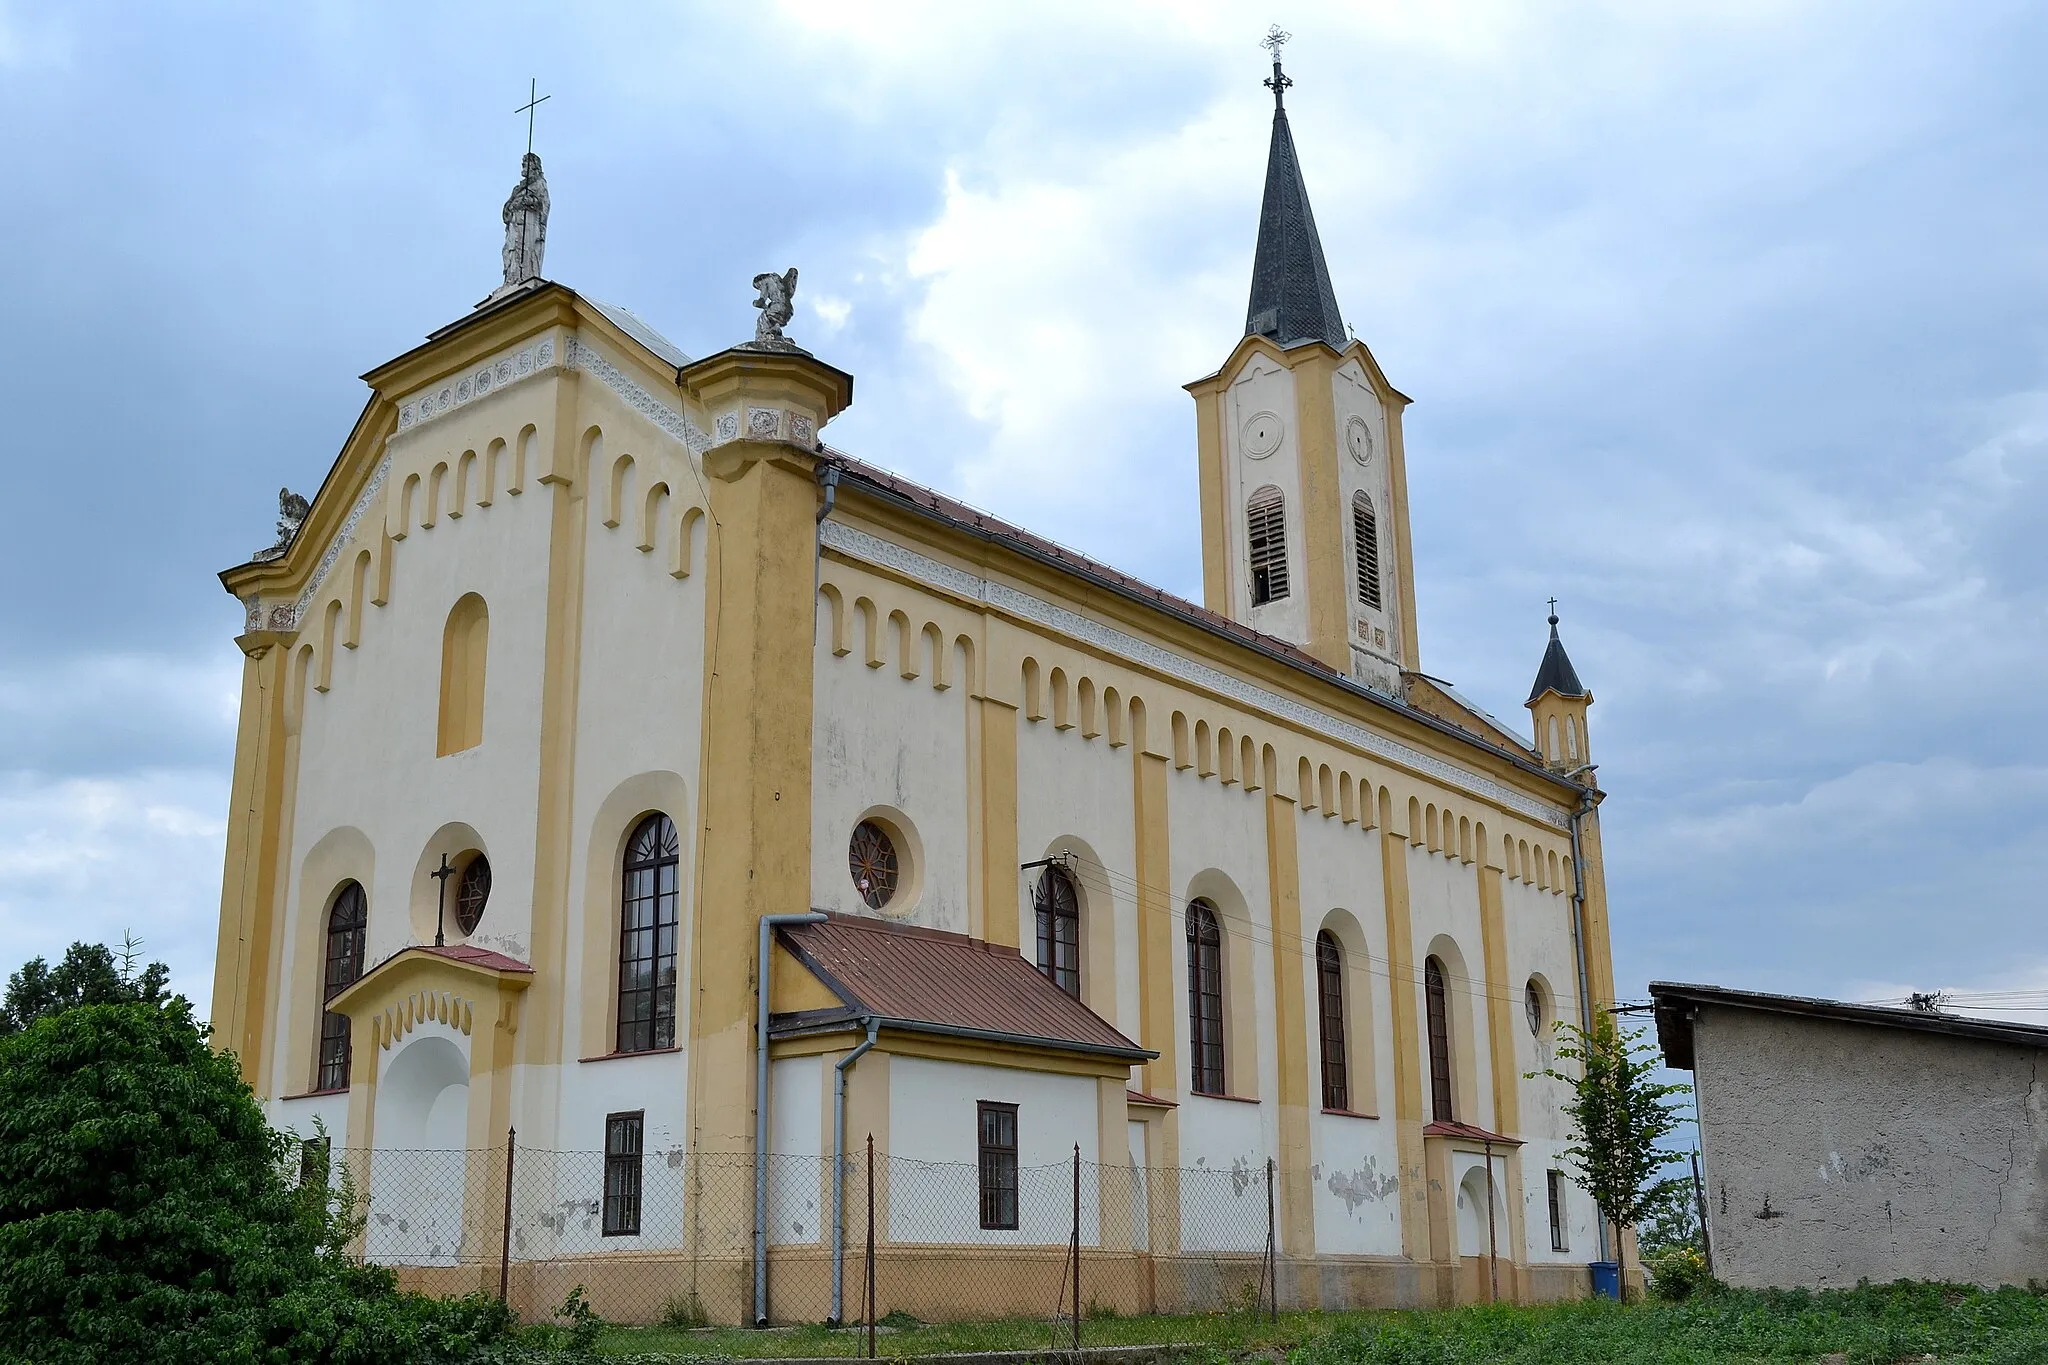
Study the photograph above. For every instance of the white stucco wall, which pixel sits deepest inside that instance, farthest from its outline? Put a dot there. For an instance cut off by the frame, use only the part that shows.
(799, 1092)
(933, 1171)
(1539, 943)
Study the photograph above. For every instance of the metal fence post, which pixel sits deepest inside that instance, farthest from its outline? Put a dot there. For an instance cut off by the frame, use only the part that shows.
(1272, 1257)
(1077, 1246)
(1699, 1195)
(871, 1247)
(505, 1246)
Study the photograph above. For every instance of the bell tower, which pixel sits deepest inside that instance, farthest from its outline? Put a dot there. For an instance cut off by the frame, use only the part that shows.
(1304, 487)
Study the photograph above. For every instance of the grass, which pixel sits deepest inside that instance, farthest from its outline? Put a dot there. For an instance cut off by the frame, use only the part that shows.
(1872, 1325)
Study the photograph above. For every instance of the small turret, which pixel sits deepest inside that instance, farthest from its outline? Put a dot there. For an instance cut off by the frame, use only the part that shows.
(1559, 701)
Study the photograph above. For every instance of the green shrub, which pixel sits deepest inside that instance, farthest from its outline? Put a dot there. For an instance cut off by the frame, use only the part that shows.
(1677, 1274)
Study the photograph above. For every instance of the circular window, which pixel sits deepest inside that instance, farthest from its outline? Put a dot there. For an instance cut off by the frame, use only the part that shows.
(1532, 1004)
(1358, 440)
(1262, 433)
(871, 856)
(471, 893)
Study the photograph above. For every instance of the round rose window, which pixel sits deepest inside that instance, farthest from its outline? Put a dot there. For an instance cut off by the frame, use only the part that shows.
(470, 894)
(871, 856)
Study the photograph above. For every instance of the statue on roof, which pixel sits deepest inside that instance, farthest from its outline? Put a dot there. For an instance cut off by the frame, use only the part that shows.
(526, 223)
(291, 515)
(776, 309)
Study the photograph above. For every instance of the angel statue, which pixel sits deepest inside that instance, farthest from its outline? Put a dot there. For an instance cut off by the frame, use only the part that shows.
(526, 223)
(291, 515)
(774, 303)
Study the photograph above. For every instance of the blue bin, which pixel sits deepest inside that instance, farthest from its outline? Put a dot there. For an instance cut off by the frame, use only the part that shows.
(1606, 1279)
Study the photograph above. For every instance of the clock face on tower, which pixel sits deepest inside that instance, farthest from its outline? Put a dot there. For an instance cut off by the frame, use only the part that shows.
(1262, 434)
(1358, 440)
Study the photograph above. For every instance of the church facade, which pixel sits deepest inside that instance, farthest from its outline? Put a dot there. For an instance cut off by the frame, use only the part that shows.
(621, 764)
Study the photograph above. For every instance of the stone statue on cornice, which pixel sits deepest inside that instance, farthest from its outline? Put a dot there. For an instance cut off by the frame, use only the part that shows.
(526, 223)
(292, 509)
(776, 309)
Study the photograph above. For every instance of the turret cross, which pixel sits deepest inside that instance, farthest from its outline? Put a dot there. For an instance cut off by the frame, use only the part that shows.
(1275, 39)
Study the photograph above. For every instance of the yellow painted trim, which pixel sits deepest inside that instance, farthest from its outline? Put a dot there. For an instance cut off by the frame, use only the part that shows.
(1002, 910)
(250, 869)
(1407, 1038)
(1157, 915)
(1322, 507)
(792, 988)
(1404, 555)
(1296, 1193)
(967, 1051)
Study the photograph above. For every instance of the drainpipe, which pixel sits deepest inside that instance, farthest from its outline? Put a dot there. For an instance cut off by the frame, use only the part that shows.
(839, 1172)
(1584, 808)
(768, 926)
(828, 479)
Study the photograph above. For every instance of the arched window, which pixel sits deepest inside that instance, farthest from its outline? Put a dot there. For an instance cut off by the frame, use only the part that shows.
(1532, 1006)
(1205, 999)
(1059, 930)
(1330, 1009)
(346, 922)
(1440, 1109)
(648, 920)
(1266, 524)
(1365, 543)
(470, 894)
(465, 641)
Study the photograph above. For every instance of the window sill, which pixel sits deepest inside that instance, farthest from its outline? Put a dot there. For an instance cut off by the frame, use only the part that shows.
(1350, 1114)
(620, 1056)
(315, 1094)
(1231, 1099)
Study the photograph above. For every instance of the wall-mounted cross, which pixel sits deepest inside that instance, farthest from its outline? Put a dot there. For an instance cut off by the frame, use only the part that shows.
(534, 99)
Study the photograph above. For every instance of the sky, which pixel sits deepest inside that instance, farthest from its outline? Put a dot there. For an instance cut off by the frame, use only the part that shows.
(1726, 324)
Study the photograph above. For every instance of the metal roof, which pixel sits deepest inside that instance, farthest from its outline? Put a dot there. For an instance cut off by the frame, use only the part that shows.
(1555, 673)
(1677, 1004)
(1292, 299)
(927, 980)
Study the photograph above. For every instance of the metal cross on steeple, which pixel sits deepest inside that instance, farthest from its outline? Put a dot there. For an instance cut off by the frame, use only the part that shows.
(1275, 39)
(536, 99)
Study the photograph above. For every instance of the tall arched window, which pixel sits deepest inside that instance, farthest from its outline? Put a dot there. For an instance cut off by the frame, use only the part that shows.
(1365, 543)
(1330, 1010)
(1205, 999)
(346, 922)
(648, 920)
(1438, 1006)
(465, 641)
(1266, 524)
(1059, 930)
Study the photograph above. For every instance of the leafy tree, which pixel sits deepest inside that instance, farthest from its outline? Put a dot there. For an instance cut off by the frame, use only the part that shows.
(88, 975)
(149, 1214)
(1619, 1112)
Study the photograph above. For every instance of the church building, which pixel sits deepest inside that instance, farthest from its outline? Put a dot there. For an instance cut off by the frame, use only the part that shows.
(621, 764)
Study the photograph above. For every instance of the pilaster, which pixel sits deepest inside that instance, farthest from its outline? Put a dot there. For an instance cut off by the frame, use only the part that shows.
(1401, 979)
(251, 867)
(1283, 883)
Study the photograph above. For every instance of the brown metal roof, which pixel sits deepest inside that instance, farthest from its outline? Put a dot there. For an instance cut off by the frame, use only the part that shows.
(931, 981)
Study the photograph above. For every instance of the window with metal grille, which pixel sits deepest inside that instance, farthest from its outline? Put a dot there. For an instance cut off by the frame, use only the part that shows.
(1266, 522)
(1365, 543)
(871, 857)
(997, 1124)
(1440, 1109)
(1059, 930)
(622, 1135)
(471, 893)
(1330, 1009)
(648, 919)
(346, 922)
(1557, 1242)
(1205, 999)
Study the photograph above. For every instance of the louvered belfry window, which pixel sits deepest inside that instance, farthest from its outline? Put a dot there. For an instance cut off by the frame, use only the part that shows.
(1059, 930)
(1365, 541)
(1205, 999)
(1440, 1110)
(648, 922)
(1330, 1009)
(1266, 520)
(346, 924)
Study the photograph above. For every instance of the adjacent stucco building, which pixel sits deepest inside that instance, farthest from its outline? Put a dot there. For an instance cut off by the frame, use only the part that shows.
(1849, 1142)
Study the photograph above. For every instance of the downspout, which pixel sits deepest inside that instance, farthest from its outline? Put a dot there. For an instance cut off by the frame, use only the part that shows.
(839, 1172)
(768, 927)
(828, 479)
(1579, 813)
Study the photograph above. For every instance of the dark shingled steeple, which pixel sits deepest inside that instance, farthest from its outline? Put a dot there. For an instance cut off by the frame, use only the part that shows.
(1555, 673)
(1291, 295)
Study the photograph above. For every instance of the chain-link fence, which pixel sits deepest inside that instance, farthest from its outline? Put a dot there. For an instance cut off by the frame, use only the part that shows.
(671, 1236)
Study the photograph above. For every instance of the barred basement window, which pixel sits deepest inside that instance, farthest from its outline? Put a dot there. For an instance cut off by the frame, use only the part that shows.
(1556, 1180)
(345, 938)
(622, 1134)
(648, 919)
(1330, 1009)
(1365, 543)
(1205, 999)
(471, 893)
(1440, 1107)
(998, 1149)
(1266, 521)
(1059, 930)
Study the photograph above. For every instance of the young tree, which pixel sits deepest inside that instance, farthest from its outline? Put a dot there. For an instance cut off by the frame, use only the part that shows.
(88, 975)
(1619, 1113)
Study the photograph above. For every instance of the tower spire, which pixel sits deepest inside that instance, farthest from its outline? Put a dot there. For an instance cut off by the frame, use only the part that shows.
(1291, 296)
